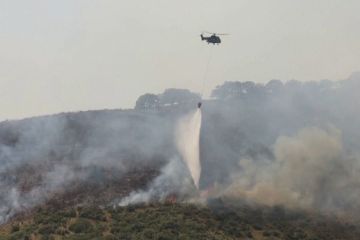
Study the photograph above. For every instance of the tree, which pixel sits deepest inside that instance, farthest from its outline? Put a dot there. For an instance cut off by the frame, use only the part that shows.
(174, 96)
(147, 101)
(274, 86)
(232, 90)
(227, 90)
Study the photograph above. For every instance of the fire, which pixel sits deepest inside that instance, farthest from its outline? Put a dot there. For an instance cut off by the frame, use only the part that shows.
(172, 199)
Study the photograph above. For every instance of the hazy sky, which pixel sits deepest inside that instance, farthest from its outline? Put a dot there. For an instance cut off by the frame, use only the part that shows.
(74, 55)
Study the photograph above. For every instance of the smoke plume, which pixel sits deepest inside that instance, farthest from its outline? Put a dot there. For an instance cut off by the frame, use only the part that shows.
(310, 171)
(40, 157)
(172, 180)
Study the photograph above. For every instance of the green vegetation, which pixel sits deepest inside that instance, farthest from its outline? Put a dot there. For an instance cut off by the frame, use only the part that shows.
(174, 221)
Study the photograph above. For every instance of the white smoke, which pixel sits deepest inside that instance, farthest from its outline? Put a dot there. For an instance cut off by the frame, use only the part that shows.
(188, 143)
(172, 180)
(310, 171)
(16, 200)
(174, 177)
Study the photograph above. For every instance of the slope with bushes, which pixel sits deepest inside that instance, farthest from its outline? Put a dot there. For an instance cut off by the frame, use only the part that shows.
(177, 221)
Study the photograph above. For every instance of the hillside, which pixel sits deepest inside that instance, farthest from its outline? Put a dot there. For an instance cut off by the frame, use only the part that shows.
(177, 221)
(293, 145)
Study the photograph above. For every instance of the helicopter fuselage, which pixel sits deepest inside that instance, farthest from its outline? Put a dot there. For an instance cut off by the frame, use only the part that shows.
(212, 39)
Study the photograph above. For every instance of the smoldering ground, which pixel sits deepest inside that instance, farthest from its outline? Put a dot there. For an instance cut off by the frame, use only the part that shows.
(41, 156)
(291, 143)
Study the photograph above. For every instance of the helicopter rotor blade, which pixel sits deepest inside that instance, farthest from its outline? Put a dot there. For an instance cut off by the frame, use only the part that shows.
(218, 34)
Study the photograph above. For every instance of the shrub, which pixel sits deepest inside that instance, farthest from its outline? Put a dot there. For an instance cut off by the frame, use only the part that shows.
(55, 218)
(166, 235)
(82, 237)
(110, 237)
(249, 235)
(276, 234)
(257, 227)
(115, 229)
(148, 234)
(17, 235)
(61, 231)
(69, 213)
(47, 237)
(47, 229)
(15, 228)
(93, 213)
(81, 226)
(266, 234)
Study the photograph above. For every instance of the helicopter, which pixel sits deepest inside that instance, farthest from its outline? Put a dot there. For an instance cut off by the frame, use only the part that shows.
(214, 38)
